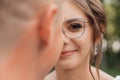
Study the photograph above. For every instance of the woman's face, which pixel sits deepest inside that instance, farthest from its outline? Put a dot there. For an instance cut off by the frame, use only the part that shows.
(77, 38)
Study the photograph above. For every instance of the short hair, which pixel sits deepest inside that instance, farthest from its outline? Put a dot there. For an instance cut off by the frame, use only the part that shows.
(14, 15)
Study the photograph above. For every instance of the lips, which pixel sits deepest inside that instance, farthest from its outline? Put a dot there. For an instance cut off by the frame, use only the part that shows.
(68, 52)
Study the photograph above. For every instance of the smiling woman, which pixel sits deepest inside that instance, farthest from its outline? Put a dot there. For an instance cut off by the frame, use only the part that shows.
(79, 40)
(84, 24)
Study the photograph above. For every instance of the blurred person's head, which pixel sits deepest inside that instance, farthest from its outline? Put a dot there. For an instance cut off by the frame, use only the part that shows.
(30, 28)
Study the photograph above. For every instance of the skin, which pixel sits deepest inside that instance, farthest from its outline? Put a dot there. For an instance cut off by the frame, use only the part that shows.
(29, 59)
(78, 43)
(75, 66)
(50, 55)
(80, 58)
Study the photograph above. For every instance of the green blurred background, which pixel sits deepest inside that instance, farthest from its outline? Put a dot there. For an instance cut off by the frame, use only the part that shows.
(111, 41)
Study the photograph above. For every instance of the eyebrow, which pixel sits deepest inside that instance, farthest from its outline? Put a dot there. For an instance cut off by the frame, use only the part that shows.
(71, 20)
(75, 19)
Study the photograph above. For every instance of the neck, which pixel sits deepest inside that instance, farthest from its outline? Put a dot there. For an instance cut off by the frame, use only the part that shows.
(75, 74)
(81, 72)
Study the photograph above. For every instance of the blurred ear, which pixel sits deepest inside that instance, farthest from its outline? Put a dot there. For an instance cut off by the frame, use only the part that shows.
(46, 24)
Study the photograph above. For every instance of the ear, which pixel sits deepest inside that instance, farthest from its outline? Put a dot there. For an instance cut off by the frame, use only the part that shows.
(98, 39)
(102, 30)
(46, 23)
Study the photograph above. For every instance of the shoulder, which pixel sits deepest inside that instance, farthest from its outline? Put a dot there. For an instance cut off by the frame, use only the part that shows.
(103, 75)
(51, 76)
(117, 77)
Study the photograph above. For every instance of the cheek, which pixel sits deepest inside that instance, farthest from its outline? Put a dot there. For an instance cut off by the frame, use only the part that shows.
(85, 40)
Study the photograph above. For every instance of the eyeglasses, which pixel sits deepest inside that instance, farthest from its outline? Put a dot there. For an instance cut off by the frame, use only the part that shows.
(74, 28)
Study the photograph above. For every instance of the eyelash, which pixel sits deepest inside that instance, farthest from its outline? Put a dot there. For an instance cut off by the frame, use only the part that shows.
(74, 27)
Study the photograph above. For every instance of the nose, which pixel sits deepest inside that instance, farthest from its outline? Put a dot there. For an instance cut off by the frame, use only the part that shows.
(65, 40)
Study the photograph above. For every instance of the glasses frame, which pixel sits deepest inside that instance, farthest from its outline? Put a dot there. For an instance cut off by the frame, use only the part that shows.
(75, 19)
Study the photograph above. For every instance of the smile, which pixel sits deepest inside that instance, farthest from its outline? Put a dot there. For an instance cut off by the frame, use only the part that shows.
(68, 53)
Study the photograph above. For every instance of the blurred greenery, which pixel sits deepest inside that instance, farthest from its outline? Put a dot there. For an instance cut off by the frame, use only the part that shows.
(111, 58)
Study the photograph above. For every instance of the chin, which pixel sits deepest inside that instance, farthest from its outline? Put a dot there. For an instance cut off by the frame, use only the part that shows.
(68, 64)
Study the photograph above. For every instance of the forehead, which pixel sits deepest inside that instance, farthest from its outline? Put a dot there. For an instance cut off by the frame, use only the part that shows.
(71, 11)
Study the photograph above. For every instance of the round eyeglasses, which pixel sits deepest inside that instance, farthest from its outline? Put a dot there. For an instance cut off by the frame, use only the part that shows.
(74, 28)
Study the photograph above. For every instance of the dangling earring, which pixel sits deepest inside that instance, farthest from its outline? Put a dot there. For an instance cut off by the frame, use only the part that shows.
(96, 51)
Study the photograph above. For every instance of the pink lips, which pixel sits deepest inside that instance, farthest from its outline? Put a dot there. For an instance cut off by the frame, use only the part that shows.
(68, 52)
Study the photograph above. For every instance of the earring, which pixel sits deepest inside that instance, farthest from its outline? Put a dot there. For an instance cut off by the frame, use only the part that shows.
(97, 48)
(96, 51)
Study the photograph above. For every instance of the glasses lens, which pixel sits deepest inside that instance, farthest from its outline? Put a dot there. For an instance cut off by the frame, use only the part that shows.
(73, 29)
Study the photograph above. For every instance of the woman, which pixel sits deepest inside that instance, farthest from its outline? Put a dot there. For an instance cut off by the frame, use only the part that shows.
(84, 24)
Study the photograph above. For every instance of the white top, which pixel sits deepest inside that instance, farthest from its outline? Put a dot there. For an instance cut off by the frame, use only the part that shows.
(117, 77)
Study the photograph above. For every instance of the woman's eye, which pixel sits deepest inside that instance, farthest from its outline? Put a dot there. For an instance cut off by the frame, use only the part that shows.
(75, 27)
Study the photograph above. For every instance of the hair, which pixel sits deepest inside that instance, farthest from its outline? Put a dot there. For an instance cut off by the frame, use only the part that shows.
(95, 13)
(14, 16)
